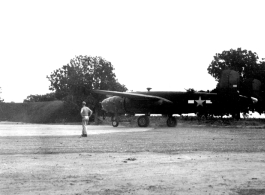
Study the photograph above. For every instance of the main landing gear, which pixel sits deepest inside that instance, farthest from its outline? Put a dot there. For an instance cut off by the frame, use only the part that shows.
(171, 121)
(144, 121)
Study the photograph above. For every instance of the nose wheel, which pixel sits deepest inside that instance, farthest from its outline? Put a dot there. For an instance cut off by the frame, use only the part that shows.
(114, 121)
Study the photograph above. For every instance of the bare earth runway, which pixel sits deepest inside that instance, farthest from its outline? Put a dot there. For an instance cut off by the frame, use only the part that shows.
(53, 159)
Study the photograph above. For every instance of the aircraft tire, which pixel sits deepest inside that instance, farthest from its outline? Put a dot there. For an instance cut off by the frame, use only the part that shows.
(115, 123)
(171, 122)
(143, 121)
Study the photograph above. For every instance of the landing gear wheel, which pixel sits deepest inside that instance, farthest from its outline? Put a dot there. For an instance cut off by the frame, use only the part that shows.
(115, 123)
(143, 121)
(171, 122)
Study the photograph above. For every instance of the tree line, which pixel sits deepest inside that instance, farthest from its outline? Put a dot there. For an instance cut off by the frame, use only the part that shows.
(73, 82)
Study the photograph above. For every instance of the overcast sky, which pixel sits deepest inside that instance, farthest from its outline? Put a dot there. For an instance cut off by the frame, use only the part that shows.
(166, 45)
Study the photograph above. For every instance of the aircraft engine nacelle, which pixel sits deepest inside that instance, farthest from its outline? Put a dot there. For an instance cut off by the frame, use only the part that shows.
(113, 104)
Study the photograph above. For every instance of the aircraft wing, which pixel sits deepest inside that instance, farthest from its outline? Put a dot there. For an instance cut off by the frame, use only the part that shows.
(137, 96)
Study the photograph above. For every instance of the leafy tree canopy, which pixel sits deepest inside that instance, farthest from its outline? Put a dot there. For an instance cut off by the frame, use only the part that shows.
(243, 61)
(75, 80)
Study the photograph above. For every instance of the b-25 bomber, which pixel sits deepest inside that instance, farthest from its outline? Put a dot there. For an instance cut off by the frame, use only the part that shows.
(226, 100)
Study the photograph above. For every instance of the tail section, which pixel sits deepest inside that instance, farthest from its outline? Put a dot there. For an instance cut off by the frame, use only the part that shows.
(235, 95)
(228, 93)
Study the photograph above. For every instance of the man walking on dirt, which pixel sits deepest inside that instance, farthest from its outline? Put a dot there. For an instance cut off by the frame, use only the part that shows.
(85, 113)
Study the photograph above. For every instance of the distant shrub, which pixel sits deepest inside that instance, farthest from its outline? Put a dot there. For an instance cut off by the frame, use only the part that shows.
(40, 98)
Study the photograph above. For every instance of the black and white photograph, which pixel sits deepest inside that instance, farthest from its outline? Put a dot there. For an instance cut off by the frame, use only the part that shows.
(110, 97)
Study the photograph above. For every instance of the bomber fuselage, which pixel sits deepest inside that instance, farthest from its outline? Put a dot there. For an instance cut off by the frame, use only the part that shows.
(182, 102)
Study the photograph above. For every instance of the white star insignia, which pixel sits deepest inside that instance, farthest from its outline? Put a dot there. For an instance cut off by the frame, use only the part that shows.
(199, 102)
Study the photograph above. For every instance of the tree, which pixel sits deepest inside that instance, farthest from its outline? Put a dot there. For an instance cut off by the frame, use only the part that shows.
(40, 98)
(74, 81)
(243, 61)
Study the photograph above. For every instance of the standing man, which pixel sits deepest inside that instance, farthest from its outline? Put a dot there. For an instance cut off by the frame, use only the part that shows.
(85, 113)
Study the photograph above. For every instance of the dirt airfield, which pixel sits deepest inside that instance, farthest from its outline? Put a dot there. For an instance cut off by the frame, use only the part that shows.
(188, 159)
